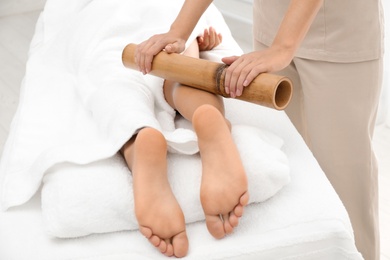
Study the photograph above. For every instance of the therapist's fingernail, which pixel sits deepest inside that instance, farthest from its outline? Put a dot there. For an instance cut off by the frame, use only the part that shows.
(227, 90)
(245, 83)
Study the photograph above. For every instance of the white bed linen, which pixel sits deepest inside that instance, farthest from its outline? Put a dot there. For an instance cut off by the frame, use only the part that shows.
(305, 220)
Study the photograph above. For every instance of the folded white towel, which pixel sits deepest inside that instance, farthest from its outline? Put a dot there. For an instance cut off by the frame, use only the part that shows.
(98, 197)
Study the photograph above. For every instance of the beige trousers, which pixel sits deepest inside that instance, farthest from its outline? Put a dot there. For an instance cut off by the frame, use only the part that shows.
(334, 108)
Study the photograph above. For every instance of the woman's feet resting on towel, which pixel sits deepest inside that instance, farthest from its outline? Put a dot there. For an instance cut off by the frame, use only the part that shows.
(159, 216)
(224, 187)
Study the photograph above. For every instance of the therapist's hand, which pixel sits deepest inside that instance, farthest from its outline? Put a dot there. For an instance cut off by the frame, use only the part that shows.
(244, 69)
(145, 51)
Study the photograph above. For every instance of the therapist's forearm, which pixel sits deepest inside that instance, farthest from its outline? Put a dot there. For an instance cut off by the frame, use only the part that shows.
(296, 23)
(188, 17)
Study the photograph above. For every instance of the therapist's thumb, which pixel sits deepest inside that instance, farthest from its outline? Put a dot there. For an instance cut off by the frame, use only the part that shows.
(230, 60)
(175, 47)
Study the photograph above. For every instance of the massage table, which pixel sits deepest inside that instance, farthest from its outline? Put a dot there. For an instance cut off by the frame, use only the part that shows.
(58, 208)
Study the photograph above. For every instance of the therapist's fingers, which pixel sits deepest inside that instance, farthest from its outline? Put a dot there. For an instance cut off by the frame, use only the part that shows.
(237, 72)
(146, 50)
(235, 75)
(228, 61)
(175, 47)
(244, 70)
(253, 73)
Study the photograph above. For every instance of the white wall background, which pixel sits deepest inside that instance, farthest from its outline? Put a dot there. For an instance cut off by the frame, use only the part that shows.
(238, 14)
(10, 7)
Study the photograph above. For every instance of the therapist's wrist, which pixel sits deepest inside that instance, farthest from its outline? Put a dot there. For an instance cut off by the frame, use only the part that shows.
(284, 49)
(179, 32)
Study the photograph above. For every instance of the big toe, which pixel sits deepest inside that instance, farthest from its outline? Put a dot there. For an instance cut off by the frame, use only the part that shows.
(180, 244)
(215, 226)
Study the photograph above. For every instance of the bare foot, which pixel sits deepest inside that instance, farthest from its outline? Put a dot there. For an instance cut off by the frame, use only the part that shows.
(159, 215)
(224, 187)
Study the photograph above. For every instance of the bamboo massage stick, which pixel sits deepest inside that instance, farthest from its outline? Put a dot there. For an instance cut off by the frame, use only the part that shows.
(268, 90)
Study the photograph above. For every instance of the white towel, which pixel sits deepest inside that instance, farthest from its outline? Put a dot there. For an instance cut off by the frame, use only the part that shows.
(98, 197)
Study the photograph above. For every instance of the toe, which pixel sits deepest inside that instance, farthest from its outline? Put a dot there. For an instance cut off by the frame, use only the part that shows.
(155, 240)
(169, 251)
(147, 232)
(244, 199)
(226, 224)
(233, 219)
(215, 226)
(180, 244)
(162, 246)
(238, 210)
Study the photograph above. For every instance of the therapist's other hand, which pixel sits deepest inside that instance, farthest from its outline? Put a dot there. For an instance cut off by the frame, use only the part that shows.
(209, 40)
(244, 69)
(145, 51)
